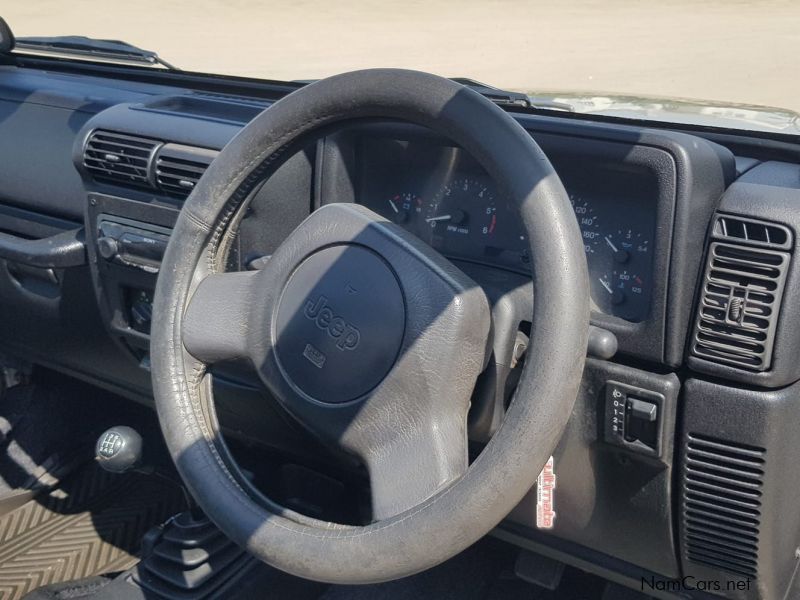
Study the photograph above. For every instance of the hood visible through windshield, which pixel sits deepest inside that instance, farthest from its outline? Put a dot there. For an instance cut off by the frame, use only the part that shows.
(720, 52)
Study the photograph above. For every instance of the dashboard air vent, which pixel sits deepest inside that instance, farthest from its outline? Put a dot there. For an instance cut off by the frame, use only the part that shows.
(750, 231)
(722, 488)
(739, 305)
(120, 158)
(178, 168)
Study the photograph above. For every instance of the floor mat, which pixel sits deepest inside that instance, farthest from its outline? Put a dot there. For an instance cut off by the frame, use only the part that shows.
(92, 524)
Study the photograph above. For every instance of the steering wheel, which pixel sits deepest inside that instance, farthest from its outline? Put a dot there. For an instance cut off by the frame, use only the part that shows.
(368, 337)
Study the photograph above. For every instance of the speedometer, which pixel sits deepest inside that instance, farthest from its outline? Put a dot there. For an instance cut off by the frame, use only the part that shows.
(588, 222)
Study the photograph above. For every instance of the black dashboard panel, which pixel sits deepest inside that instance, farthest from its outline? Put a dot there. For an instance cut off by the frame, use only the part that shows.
(42, 112)
(644, 197)
(654, 190)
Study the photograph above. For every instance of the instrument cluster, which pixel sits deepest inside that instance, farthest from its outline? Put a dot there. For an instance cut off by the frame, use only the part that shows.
(445, 198)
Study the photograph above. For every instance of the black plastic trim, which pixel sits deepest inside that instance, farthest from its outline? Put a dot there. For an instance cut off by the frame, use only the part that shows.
(770, 193)
(59, 251)
(745, 439)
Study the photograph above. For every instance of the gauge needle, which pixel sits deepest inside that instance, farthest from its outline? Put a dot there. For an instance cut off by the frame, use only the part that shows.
(606, 285)
(613, 247)
(439, 218)
(394, 206)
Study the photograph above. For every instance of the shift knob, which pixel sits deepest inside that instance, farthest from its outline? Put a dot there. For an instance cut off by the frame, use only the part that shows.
(119, 449)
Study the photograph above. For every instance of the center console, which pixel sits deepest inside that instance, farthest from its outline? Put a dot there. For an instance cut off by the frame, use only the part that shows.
(127, 240)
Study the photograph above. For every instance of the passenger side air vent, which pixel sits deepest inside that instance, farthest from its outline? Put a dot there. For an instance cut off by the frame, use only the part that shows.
(741, 298)
(178, 168)
(722, 489)
(119, 158)
(753, 232)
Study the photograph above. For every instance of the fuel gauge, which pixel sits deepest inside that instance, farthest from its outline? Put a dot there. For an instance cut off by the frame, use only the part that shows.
(403, 208)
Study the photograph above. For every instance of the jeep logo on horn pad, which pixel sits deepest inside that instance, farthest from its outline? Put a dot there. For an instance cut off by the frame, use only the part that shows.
(347, 335)
(339, 323)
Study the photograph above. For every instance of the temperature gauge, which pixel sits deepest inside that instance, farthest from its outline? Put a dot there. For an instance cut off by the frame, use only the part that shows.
(618, 268)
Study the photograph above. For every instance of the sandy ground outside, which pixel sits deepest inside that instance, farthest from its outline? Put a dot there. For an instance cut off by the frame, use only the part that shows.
(724, 50)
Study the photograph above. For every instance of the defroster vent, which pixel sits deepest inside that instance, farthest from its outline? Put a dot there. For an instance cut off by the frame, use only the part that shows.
(119, 157)
(739, 304)
(722, 489)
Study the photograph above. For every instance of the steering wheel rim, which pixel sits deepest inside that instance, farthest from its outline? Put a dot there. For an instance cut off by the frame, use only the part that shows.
(464, 507)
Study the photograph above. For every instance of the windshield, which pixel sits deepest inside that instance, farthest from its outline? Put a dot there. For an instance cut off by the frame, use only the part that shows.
(615, 57)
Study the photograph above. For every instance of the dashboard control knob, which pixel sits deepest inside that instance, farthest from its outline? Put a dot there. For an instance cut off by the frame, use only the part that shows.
(108, 247)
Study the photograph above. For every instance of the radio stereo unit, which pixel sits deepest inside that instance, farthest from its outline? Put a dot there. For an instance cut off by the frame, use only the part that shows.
(131, 243)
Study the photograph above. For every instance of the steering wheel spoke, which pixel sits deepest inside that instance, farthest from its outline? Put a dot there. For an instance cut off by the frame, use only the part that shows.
(411, 460)
(216, 324)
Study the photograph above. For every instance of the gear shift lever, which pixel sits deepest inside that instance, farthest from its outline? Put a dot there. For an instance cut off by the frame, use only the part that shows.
(119, 449)
(187, 556)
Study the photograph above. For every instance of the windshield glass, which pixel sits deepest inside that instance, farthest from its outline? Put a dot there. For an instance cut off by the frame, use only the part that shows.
(730, 58)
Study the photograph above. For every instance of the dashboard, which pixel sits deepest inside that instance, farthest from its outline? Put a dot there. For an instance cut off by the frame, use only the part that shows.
(653, 207)
(444, 197)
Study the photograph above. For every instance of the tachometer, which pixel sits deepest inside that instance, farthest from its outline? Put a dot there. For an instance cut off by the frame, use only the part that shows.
(462, 218)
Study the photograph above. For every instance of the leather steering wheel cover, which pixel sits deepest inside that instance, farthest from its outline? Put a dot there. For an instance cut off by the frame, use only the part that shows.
(507, 468)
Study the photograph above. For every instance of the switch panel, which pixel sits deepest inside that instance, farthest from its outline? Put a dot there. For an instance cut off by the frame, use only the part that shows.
(633, 418)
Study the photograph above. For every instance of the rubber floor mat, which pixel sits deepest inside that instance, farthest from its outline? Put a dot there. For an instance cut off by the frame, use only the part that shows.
(92, 524)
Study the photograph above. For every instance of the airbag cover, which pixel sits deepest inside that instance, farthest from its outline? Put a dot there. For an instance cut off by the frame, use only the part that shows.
(340, 323)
